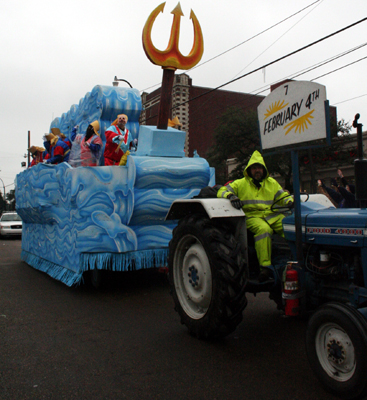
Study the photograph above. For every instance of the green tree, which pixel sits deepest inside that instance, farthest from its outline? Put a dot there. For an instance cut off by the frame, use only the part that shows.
(2, 203)
(342, 151)
(235, 137)
(10, 198)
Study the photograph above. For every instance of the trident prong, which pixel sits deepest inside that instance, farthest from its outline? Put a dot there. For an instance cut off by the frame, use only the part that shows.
(172, 58)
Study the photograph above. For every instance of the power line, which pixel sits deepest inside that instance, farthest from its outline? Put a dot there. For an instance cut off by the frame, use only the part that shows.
(353, 98)
(240, 44)
(337, 69)
(299, 73)
(315, 66)
(261, 90)
(276, 41)
(279, 59)
(253, 37)
(268, 64)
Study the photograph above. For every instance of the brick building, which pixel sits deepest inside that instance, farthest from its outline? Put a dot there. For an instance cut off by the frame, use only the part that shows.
(201, 115)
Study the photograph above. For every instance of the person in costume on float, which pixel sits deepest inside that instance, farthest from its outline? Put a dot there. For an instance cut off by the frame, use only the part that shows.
(37, 155)
(117, 141)
(91, 146)
(64, 138)
(58, 150)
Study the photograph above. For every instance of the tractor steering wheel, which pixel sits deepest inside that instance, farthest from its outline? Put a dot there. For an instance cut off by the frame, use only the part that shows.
(281, 209)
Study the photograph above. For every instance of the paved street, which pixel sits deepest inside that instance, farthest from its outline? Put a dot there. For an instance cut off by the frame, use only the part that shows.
(126, 342)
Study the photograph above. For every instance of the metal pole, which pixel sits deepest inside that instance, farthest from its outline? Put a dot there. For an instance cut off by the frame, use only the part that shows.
(4, 193)
(3, 187)
(360, 166)
(312, 169)
(166, 96)
(297, 207)
(116, 81)
(29, 145)
(359, 136)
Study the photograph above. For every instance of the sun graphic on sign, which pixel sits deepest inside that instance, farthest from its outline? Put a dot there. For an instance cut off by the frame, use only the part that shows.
(275, 107)
(300, 124)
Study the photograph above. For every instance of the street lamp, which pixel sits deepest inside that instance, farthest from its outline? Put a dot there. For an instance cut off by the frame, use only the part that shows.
(116, 82)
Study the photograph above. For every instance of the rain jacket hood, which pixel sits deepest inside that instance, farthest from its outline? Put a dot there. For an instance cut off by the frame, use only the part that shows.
(256, 158)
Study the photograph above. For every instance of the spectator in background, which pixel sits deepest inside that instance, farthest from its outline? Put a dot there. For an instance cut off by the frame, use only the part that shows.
(333, 195)
(342, 196)
(347, 191)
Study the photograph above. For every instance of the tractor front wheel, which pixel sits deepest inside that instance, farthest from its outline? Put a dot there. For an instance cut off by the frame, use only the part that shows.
(207, 277)
(336, 343)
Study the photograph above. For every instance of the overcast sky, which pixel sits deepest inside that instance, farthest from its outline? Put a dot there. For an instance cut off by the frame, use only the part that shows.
(54, 52)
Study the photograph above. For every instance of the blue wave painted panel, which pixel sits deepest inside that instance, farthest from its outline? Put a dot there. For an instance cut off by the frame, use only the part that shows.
(171, 172)
(68, 211)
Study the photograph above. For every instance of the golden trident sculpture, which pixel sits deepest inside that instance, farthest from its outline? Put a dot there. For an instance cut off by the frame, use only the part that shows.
(171, 58)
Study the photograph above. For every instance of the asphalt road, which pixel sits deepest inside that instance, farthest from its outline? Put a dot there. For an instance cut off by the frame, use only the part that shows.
(126, 342)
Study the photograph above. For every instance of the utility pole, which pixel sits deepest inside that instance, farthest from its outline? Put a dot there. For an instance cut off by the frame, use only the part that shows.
(4, 194)
(29, 145)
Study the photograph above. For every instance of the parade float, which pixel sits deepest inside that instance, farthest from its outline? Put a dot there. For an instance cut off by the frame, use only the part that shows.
(113, 217)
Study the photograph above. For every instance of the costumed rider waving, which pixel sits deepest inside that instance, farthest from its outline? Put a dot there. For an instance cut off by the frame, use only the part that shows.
(255, 194)
(117, 141)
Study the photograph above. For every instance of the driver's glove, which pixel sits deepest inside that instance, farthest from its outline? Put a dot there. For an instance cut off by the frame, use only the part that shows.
(290, 204)
(235, 201)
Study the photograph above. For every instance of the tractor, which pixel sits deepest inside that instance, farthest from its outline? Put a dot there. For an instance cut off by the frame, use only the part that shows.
(213, 266)
(319, 267)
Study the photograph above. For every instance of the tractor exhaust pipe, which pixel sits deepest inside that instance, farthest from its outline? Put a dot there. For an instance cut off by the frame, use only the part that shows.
(360, 166)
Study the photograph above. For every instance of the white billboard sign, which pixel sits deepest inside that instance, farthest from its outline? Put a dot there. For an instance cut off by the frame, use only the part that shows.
(293, 113)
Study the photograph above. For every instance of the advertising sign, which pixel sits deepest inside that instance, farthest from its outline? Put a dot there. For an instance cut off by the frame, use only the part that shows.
(293, 113)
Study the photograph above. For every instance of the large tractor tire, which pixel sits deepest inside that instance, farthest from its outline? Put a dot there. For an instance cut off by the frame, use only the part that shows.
(336, 343)
(207, 277)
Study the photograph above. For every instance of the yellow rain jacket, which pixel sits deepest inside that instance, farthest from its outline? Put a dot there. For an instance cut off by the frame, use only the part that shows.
(257, 200)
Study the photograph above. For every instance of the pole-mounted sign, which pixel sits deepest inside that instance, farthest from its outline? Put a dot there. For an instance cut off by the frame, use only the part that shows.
(296, 112)
(293, 113)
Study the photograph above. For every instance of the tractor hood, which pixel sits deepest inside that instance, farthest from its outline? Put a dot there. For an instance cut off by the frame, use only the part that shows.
(332, 226)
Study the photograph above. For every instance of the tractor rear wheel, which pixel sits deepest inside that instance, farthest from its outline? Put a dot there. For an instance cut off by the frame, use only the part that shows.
(207, 277)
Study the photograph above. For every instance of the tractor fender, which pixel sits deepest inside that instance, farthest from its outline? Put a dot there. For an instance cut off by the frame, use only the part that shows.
(213, 208)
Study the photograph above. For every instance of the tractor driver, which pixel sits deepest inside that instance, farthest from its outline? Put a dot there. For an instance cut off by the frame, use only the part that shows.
(255, 194)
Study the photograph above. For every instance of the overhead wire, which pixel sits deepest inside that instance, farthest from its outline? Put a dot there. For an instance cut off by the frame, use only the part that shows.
(277, 40)
(253, 37)
(268, 64)
(240, 44)
(258, 91)
(338, 69)
(299, 73)
(353, 98)
(280, 59)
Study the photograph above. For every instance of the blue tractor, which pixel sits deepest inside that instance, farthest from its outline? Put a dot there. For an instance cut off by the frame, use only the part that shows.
(320, 272)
